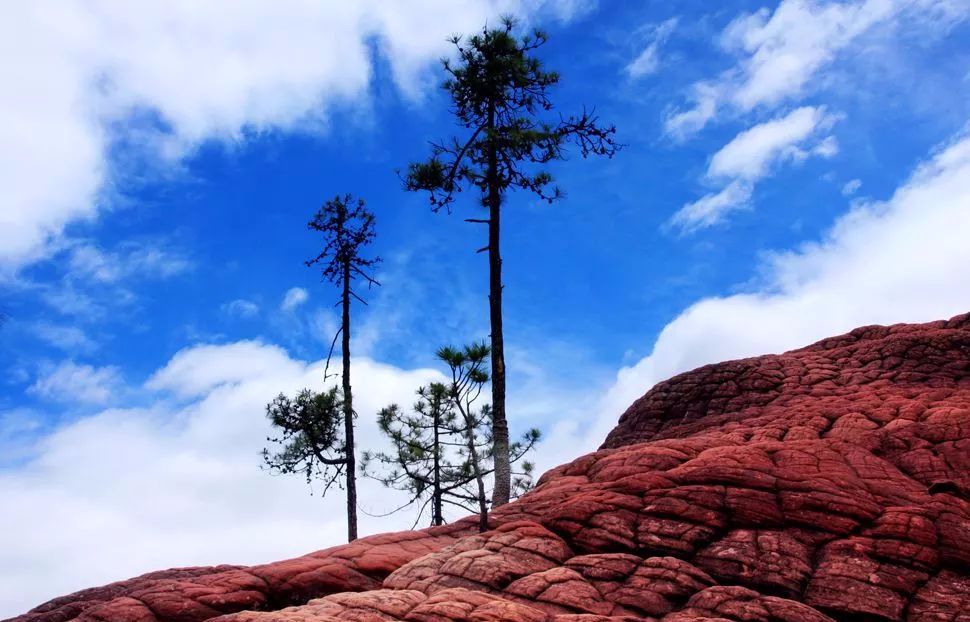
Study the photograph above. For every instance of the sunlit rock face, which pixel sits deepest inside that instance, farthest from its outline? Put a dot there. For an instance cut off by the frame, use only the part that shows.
(827, 483)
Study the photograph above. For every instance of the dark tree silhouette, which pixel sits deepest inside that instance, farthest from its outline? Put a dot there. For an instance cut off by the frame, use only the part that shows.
(310, 442)
(441, 451)
(499, 92)
(348, 228)
(425, 460)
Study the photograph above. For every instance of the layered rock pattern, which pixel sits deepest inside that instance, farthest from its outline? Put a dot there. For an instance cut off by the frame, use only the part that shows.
(827, 483)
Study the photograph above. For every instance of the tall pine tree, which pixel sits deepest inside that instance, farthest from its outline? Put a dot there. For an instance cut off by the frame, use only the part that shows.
(500, 96)
(348, 228)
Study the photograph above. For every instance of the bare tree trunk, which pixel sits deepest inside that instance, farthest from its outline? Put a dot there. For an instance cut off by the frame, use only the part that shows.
(476, 465)
(351, 461)
(500, 426)
(436, 514)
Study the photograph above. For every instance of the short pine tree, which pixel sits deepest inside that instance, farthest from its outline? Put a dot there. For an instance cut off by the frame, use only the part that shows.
(441, 452)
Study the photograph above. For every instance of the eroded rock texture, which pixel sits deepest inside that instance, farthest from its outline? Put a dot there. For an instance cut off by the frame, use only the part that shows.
(826, 483)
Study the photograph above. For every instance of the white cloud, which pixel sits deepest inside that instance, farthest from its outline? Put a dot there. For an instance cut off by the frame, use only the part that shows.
(851, 187)
(241, 308)
(156, 262)
(293, 298)
(164, 77)
(785, 48)
(69, 382)
(648, 61)
(827, 148)
(67, 299)
(564, 10)
(781, 53)
(91, 283)
(902, 260)
(711, 209)
(89, 261)
(132, 259)
(681, 124)
(201, 369)
(752, 155)
(752, 152)
(178, 484)
(780, 57)
(18, 427)
(70, 338)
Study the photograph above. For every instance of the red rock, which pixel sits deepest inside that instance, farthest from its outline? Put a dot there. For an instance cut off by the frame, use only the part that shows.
(831, 482)
(772, 560)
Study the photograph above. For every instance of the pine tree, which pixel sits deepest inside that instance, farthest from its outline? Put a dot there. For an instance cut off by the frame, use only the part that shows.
(468, 377)
(442, 451)
(310, 440)
(500, 92)
(348, 228)
(426, 460)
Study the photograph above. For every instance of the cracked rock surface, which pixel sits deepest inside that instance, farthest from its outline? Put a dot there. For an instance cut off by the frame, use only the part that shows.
(827, 483)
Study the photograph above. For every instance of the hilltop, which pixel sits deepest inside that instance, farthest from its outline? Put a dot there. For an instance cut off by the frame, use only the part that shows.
(830, 482)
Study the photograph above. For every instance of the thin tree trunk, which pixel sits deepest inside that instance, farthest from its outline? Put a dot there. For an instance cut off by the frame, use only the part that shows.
(480, 481)
(351, 461)
(500, 427)
(437, 518)
(476, 465)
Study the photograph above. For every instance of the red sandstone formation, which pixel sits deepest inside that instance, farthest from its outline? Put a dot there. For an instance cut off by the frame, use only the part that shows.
(827, 483)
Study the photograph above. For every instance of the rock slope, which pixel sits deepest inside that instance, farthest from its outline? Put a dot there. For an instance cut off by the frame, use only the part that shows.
(827, 483)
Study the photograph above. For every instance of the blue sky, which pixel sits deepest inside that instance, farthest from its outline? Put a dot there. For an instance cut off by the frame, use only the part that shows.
(791, 170)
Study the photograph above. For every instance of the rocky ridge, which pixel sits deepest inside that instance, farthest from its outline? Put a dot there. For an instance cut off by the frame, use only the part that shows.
(826, 483)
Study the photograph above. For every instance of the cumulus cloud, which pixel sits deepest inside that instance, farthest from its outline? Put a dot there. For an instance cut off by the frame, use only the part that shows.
(168, 474)
(648, 61)
(18, 427)
(179, 481)
(293, 298)
(69, 382)
(899, 260)
(198, 370)
(162, 78)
